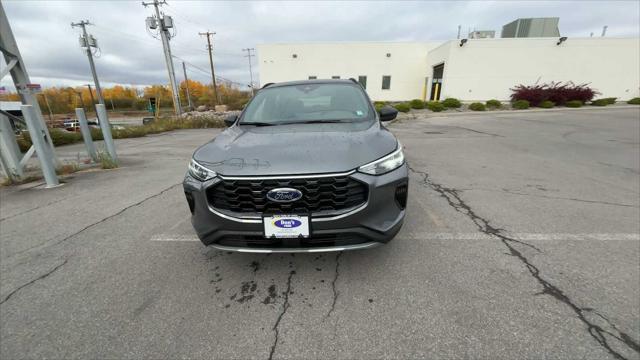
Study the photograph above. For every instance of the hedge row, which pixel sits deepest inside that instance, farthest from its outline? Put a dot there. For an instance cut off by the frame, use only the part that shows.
(64, 137)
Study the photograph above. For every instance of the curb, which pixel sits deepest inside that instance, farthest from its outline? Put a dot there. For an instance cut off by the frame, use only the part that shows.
(562, 109)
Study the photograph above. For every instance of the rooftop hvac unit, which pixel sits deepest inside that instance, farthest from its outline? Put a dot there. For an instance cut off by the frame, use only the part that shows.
(151, 23)
(93, 42)
(167, 21)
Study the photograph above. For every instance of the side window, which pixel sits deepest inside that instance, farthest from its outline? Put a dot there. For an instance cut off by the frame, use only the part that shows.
(312, 77)
(335, 77)
(362, 79)
(386, 82)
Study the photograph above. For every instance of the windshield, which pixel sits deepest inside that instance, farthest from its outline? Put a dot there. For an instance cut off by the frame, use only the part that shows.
(308, 102)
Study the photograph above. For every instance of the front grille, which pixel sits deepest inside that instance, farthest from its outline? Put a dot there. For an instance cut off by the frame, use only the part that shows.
(325, 240)
(321, 196)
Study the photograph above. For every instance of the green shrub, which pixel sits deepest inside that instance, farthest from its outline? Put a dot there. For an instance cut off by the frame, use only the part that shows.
(634, 101)
(610, 100)
(402, 107)
(520, 104)
(379, 105)
(547, 104)
(600, 102)
(451, 103)
(435, 106)
(24, 141)
(64, 137)
(476, 106)
(494, 104)
(574, 104)
(416, 104)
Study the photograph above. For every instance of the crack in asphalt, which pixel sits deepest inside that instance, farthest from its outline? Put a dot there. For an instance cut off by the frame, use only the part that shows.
(479, 132)
(285, 307)
(101, 220)
(33, 281)
(455, 201)
(333, 285)
(32, 209)
(597, 332)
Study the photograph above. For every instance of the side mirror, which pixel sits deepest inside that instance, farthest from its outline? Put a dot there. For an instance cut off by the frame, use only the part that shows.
(231, 119)
(387, 113)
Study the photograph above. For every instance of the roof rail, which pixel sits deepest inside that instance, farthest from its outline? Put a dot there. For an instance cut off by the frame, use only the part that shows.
(267, 84)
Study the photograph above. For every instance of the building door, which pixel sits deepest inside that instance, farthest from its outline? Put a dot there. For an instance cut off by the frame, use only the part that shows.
(436, 83)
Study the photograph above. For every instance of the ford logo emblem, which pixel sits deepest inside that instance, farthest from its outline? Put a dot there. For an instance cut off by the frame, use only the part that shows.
(284, 195)
(287, 223)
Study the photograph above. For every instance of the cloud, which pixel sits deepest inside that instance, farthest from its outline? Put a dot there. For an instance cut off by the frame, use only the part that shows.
(131, 56)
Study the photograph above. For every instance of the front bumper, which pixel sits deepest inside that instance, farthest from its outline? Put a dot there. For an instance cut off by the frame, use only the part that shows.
(374, 223)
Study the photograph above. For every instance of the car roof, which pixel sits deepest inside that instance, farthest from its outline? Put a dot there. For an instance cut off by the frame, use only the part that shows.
(314, 81)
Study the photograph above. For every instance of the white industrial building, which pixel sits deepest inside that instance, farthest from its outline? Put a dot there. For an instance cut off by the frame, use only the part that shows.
(468, 69)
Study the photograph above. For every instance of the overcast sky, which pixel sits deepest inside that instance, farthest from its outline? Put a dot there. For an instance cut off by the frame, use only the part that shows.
(131, 56)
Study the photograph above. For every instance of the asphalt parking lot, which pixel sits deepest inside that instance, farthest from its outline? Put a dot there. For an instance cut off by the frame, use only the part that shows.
(521, 241)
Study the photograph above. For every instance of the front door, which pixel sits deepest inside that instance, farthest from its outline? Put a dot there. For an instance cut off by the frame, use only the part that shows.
(436, 84)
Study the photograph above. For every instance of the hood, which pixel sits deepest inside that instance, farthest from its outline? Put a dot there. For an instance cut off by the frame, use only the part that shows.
(295, 149)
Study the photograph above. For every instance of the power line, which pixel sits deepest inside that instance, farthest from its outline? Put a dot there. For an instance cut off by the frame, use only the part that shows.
(185, 17)
(208, 72)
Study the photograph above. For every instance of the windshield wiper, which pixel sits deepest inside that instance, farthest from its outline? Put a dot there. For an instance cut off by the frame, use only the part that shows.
(314, 122)
(258, 123)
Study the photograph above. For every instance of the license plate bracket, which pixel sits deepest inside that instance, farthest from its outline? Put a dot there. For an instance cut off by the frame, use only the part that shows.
(286, 226)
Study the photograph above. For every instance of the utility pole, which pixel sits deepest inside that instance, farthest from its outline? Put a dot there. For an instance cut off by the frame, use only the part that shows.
(249, 55)
(213, 74)
(186, 85)
(93, 101)
(163, 23)
(46, 102)
(81, 99)
(604, 30)
(87, 42)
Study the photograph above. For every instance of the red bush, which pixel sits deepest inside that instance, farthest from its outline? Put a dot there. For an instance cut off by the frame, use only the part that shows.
(558, 92)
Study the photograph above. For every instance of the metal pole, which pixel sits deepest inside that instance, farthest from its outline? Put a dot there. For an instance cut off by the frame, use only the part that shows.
(459, 28)
(604, 30)
(9, 150)
(86, 134)
(18, 70)
(186, 85)
(164, 34)
(40, 140)
(83, 24)
(106, 131)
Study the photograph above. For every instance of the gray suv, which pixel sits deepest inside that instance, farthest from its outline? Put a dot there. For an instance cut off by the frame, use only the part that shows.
(306, 167)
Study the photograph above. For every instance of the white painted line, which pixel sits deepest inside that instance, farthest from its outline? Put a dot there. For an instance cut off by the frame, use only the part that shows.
(527, 236)
(462, 236)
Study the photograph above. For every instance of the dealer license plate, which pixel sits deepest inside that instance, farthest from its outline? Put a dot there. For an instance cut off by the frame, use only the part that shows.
(286, 226)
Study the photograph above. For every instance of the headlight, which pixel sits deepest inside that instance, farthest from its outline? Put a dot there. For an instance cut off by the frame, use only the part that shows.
(385, 164)
(200, 172)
